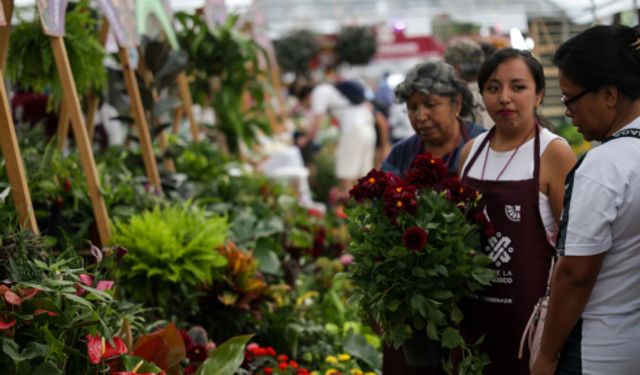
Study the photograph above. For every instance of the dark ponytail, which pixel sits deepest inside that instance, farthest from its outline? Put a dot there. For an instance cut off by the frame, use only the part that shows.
(602, 56)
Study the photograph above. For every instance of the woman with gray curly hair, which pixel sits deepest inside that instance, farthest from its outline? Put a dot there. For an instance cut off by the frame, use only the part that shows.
(436, 100)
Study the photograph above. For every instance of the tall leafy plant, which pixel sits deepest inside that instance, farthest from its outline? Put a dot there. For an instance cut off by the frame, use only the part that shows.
(225, 64)
(172, 250)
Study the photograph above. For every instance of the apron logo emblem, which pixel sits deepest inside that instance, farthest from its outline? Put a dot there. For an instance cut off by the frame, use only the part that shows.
(512, 212)
(499, 249)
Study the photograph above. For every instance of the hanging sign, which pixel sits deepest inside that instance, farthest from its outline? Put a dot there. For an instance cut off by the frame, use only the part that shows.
(122, 20)
(215, 13)
(52, 14)
(3, 20)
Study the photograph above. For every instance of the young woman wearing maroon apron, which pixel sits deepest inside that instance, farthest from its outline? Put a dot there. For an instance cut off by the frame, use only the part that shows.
(521, 256)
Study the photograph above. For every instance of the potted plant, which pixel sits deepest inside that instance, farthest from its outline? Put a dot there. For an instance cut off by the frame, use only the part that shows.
(413, 243)
(356, 45)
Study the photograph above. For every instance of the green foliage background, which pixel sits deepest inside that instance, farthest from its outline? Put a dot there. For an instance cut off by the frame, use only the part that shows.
(31, 64)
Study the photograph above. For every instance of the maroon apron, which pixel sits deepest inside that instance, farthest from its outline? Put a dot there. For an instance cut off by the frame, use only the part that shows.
(521, 256)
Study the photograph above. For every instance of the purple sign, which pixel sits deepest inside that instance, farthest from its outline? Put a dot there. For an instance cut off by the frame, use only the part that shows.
(3, 20)
(122, 19)
(52, 13)
(215, 13)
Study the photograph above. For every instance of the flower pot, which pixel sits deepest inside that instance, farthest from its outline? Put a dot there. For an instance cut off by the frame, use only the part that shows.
(421, 351)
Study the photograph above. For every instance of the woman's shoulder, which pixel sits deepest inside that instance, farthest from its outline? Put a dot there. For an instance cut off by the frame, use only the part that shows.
(473, 129)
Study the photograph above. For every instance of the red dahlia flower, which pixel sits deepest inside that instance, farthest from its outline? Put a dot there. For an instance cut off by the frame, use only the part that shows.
(427, 171)
(400, 198)
(415, 238)
(372, 185)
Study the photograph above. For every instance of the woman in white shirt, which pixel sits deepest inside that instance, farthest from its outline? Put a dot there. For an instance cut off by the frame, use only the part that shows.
(519, 167)
(593, 321)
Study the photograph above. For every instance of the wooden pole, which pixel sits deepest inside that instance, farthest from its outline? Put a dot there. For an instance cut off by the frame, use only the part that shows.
(176, 120)
(9, 141)
(7, 6)
(82, 140)
(141, 122)
(92, 100)
(147, 76)
(15, 168)
(63, 124)
(187, 105)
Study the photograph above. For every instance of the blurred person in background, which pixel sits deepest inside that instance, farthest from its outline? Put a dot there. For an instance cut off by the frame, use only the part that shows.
(466, 56)
(345, 102)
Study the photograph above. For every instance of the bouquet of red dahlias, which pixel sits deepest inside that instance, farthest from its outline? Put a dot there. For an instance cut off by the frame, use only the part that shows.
(414, 242)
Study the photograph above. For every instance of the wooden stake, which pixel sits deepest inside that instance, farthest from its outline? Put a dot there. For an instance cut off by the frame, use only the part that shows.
(82, 140)
(15, 168)
(92, 108)
(141, 122)
(175, 128)
(187, 105)
(4, 31)
(63, 125)
(92, 100)
(164, 144)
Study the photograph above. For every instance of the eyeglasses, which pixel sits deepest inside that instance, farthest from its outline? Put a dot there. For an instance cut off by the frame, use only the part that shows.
(570, 102)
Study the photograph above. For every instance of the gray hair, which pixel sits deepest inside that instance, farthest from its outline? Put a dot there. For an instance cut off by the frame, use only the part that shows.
(434, 77)
(467, 56)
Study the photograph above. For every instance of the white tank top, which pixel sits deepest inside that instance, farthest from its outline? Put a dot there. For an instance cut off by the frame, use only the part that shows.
(520, 168)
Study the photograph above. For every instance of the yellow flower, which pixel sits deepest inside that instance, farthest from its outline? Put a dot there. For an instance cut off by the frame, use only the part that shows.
(331, 371)
(315, 372)
(356, 371)
(331, 359)
(344, 357)
(370, 373)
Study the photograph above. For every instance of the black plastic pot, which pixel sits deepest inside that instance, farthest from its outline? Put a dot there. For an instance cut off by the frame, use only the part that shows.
(421, 351)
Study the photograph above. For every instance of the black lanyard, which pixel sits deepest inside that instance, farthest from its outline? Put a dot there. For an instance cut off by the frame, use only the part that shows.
(568, 188)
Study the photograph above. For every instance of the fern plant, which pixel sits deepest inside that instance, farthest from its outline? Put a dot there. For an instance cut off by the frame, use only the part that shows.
(172, 251)
(31, 63)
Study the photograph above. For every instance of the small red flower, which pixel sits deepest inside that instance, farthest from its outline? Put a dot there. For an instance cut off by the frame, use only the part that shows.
(282, 358)
(427, 171)
(197, 353)
(268, 370)
(99, 348)
(415, 238)
(372, 185)
(271, 351)
(283, 365)
(42, 311)
(293, 364)
(400, 198)
(7, 324)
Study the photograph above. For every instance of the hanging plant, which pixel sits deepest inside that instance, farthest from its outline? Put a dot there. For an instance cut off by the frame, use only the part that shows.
(356, 45)
(31, 64)
(295, 50)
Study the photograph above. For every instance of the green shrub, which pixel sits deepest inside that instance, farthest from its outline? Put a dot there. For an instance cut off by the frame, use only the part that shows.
(172, 250)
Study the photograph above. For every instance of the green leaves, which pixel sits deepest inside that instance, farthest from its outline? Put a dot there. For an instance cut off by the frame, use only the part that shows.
(171, 251)
(31, 62)
(175, 243)
(451, 338)
(227, 358)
